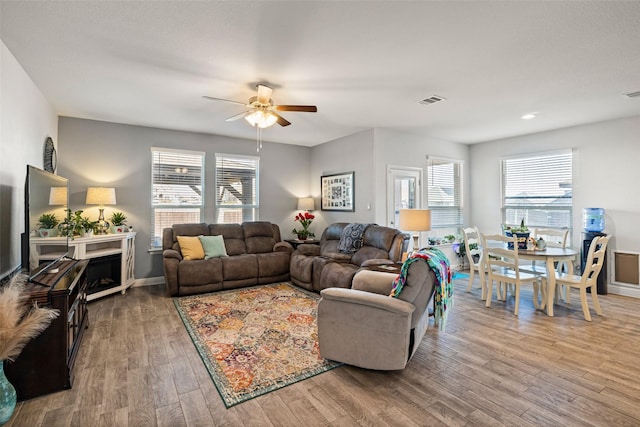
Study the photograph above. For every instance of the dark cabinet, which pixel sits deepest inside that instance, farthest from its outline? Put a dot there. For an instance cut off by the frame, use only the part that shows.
(46, 363)
(587, 237)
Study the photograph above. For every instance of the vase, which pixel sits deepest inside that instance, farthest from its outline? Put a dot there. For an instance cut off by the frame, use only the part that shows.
(7, 396)
(302, 237)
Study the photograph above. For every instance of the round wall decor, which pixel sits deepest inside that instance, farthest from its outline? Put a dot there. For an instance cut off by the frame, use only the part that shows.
(49, 157)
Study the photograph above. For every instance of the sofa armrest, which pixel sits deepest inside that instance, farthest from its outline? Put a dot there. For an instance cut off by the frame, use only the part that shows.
(309, 250)
(352, 296)
(374, 282)
(378, 261)
(172, 253)
(337, 256)
(283, 247)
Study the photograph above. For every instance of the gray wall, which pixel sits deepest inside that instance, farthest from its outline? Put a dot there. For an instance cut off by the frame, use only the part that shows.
(94, 153)
(26, 120)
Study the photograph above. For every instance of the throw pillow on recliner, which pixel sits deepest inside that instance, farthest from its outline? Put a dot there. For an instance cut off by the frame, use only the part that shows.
(352, 238)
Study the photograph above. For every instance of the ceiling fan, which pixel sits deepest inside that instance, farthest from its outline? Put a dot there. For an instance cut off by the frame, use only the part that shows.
(261, 112)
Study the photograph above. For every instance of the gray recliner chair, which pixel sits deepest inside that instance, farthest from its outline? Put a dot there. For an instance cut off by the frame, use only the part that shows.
(365, 327)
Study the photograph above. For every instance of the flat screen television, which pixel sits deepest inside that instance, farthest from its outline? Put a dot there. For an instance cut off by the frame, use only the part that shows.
(45, 194)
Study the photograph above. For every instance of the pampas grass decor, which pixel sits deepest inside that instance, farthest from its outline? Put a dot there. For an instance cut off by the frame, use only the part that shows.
(20, 323)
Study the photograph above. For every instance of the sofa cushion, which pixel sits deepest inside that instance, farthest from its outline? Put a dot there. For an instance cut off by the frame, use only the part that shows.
(233, 237)
(184, 230)
(240, 267)
(352, 238)
(258, 236)
(190, 247)
(213, 246)
(200, 272)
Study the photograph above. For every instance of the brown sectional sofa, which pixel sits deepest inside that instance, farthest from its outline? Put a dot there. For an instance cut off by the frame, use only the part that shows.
(318, 267)
(255, 256)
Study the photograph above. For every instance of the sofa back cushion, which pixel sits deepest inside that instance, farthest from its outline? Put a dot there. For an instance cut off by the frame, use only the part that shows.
(170, 240)
(259, 236)
(331, 237)
(233, 237)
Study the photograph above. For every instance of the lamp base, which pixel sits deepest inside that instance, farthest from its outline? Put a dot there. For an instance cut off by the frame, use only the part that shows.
(103, 226)
(415, 242)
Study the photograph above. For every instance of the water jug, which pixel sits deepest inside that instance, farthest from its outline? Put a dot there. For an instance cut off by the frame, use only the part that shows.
(593, 219)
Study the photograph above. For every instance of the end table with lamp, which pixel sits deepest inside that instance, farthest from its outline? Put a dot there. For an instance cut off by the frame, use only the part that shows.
(415, 220)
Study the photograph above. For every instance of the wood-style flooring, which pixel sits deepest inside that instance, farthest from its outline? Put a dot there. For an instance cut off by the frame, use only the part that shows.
(138, 367)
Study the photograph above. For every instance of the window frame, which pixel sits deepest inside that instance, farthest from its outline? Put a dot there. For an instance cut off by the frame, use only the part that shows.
(530, 219)
(458, 196)
(253, 207)
(156, 240)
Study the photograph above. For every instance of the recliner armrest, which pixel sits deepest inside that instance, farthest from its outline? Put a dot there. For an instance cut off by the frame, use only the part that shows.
(283, 247)
(309, 250)
(172, 253)
(353, 296)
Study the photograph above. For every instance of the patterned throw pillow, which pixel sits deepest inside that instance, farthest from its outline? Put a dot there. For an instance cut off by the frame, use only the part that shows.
(351, 238)
(213, 246)
(190, 247)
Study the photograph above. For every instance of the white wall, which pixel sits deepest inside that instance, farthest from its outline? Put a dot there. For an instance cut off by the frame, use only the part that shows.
(606, 171)
(94, 153)
(26, 120)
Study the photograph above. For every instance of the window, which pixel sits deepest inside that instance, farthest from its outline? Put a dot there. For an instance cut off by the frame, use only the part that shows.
(537, 188)
(444, 194)
(236, 188)
(177, 184)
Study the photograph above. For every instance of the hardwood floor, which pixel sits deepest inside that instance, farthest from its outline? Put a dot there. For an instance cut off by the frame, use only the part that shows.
(138, 367)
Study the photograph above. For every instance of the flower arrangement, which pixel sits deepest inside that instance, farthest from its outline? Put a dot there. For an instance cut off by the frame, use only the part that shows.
(18, 323)
(305, 219)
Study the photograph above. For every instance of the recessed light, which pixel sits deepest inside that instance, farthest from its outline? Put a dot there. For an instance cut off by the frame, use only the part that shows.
(530, 116)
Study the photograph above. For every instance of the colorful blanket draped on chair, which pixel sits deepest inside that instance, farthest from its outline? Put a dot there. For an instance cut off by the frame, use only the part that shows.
(443, 295)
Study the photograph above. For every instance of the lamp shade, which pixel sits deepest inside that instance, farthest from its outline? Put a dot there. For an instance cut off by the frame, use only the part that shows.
(261, 119)
(415, 219)
(58, 196)
(306, 204)
(101, 196)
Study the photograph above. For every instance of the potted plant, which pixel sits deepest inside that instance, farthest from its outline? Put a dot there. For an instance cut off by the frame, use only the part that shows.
(450, 238)
(48, 224)
(118, 222)
(88, 226)
(522, 233)
(305, 219)
(72, 225)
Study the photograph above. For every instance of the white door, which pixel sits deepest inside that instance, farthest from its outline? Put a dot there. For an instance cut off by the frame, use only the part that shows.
(403, 191)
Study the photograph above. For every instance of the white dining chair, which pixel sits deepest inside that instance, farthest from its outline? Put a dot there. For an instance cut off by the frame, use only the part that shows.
(589, 277)
(503, 268)
(473, 246)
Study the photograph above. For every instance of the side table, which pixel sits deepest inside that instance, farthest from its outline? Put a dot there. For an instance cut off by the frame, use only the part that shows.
(296, 242)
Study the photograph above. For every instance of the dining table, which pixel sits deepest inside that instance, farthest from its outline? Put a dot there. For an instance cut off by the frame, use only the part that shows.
(550, 256)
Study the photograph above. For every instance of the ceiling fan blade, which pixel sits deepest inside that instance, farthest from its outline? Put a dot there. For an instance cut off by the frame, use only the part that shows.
(264, 94)
(238, 116)
(225, 100)
(281, 120)
(305, 108)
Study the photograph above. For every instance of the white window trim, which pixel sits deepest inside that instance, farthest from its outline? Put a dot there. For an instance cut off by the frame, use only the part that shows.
(460, 183)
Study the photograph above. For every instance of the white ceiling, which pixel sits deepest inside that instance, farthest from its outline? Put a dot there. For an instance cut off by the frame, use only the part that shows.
(364, 64)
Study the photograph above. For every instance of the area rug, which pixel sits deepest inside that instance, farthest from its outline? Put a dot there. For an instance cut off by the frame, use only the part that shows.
(255, 340)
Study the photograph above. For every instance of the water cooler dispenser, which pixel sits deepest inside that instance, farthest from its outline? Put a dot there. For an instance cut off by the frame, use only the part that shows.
(593, 222)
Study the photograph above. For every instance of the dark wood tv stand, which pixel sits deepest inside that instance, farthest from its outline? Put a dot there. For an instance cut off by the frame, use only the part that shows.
(46, 363)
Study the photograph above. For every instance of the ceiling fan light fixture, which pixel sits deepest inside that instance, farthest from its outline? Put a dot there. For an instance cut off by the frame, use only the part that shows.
(261, 119)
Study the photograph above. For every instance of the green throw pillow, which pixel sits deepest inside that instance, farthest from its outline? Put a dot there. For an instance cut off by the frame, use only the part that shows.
(213, 246)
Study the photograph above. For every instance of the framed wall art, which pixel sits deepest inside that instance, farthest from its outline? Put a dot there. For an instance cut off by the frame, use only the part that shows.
(338, 192)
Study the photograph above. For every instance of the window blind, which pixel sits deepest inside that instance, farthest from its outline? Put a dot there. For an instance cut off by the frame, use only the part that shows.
(444, 192)
(538, 189)
(177, 183)
(236, 188)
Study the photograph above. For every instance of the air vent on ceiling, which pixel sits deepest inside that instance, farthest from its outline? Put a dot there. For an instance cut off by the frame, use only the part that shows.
(431, 100)
(632, 94)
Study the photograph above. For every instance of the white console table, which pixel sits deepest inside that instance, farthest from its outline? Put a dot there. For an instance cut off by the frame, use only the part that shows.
(97, 246)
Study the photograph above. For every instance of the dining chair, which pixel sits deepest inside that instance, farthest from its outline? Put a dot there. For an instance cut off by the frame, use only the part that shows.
(589, 276)
(473, 247)
(503, 268)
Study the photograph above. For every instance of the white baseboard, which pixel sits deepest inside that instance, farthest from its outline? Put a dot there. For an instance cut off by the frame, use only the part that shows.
(623, 290)
(149, 281)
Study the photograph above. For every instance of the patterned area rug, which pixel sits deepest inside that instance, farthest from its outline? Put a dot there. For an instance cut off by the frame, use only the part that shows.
(255, 340)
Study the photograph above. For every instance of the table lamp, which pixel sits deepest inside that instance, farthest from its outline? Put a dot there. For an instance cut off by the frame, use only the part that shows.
(415, 220)
(306, 204)
(58, 196)
(101, 196)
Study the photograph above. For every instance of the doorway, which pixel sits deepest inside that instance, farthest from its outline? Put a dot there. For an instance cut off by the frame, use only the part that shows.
(403, 191)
